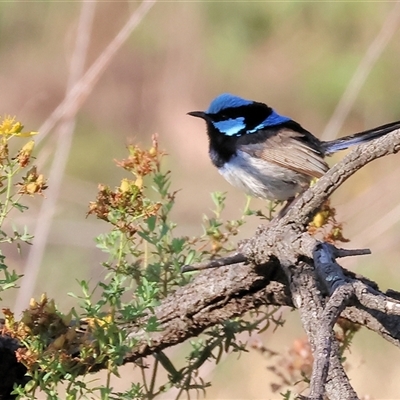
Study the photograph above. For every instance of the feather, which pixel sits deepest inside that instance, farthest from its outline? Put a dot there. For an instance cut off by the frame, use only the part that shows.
(286, 149)
(358, 138)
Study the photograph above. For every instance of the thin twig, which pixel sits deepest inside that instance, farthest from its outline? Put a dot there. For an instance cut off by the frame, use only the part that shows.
(339, 253)
(220, 262)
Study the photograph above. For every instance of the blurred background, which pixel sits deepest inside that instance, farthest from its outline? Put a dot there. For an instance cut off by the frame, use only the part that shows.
(334, 67)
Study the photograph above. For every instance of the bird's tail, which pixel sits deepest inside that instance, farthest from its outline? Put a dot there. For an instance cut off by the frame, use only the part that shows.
(333, 146)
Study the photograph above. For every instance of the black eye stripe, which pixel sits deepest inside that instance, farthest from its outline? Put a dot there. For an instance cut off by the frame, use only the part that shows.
(253, 115)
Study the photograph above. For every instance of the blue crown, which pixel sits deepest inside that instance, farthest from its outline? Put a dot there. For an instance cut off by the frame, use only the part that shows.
(226, 100)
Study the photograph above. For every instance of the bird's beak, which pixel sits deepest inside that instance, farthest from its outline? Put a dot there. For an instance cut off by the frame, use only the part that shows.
(198, 114)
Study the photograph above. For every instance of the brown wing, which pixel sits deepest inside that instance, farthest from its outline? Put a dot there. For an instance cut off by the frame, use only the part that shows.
(285, 150)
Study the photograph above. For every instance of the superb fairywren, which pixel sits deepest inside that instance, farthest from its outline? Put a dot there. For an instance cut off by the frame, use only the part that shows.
(266, 154)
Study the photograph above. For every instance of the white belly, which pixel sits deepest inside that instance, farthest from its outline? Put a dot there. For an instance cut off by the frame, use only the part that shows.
(263, 179)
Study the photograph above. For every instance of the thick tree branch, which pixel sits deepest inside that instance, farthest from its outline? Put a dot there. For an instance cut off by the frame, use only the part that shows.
(331, 275)
(325, 339)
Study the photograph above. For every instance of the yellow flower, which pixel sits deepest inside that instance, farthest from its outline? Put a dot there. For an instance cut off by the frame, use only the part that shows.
(320, 219)
(139, 182)
(125, 186)
(11, 127)
(24, 154)
(28, 148)
(99, 322)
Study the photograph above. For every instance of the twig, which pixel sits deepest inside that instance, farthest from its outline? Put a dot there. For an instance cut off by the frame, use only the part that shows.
(339, 253)
(220, 262)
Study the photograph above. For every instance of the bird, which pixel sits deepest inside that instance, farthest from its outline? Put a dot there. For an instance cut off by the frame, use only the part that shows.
(268, 155)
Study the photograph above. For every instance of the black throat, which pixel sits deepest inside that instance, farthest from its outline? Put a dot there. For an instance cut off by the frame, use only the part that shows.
(221, 147)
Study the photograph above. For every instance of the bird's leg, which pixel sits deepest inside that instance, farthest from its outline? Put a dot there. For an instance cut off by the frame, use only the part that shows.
(283, 211)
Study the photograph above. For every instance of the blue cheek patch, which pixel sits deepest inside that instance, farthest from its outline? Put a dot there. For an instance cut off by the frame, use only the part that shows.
(272, 120)
(236, 126)
(230, 127)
